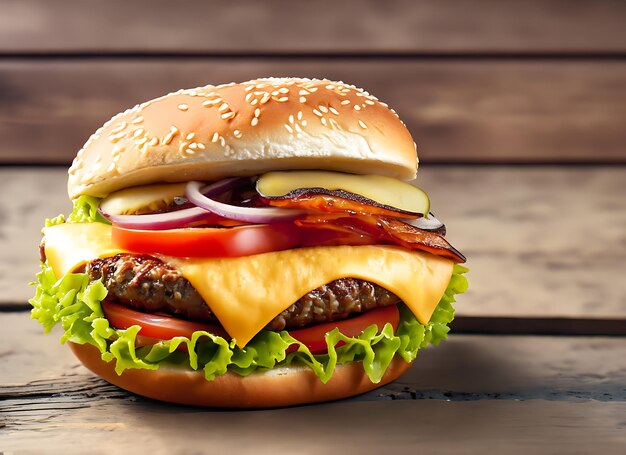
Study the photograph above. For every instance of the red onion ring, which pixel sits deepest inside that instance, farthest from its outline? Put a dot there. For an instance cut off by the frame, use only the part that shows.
(200, 196)
(426, 224)
(175, 219)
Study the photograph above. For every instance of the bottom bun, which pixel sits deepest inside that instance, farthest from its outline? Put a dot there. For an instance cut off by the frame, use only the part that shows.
(285, 386)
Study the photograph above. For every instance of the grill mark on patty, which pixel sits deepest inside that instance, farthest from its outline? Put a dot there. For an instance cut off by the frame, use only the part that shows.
(146, 283)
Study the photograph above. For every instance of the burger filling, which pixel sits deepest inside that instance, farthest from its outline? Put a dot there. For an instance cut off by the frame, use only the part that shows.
(342, 321)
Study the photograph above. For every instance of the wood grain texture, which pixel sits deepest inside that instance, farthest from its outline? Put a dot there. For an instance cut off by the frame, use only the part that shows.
(457, 111)
(530, 251)
(512, 394)
(322, 26)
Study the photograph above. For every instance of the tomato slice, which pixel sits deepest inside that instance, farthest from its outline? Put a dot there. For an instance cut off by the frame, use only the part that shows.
(313, 337)
(209, 242)
(160, 327)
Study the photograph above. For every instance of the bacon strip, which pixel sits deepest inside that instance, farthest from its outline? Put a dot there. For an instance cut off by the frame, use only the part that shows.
(336, 201)
(382, 229)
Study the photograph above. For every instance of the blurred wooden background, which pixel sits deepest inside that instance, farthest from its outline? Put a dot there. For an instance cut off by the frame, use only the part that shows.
(479, 81)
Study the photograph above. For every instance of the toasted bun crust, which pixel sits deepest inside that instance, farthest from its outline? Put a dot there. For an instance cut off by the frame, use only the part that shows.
(276, 388)
(212, 132)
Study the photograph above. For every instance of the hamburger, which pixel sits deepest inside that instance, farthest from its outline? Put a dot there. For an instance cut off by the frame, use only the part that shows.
(249, 245)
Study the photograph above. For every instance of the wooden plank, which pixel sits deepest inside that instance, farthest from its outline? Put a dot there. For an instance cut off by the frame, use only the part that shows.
(323, 26)
(522, 394)
(458, 111)
(529, 253)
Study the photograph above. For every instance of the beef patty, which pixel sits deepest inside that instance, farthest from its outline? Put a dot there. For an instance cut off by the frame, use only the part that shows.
(148, 284)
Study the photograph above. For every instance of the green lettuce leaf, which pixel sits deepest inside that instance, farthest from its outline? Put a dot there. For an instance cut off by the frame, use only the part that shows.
(85, 211)
(74, 302)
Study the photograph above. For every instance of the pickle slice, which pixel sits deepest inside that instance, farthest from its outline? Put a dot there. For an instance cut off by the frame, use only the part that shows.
(142, 199)
(383, 190)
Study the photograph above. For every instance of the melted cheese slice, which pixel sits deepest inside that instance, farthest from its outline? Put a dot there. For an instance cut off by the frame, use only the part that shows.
(68, 246)
(246, 293)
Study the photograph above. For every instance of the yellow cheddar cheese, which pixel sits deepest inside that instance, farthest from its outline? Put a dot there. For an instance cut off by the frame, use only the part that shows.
(246, 293)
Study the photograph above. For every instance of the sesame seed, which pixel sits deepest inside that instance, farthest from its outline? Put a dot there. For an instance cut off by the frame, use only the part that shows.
(249, 87)
(154, 141)
(111, 167)
(228, 115)
(282, 99)
(329, 87)
(223, 107)
(141, 141)
(237, 134)
(304, 123)
(324, 109)
(318, 113)
(370, 102)
(137, 120)
(291, 119)
(254, 121)
(303, 92)
(193, 146)
(222, 141)
(190, 151)
(118, 128)
(168, 138)
(266, 98)
(138, 132)
(288, 128)
(116, 137)
(344, 102)
(283, 90)
(298, 129)
(333, 110)
(257, 112)
(254, 102)
(215, 137)
(190, 136)
(249, 97)
(183, 107)
(299, 115)
(201, 146)
(302, 99)
(362, 125)
(323, 120)
(313, 89)
(357, 107)
(275, 93)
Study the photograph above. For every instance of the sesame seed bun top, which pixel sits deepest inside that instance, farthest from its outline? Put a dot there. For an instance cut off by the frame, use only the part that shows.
(249, 128)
